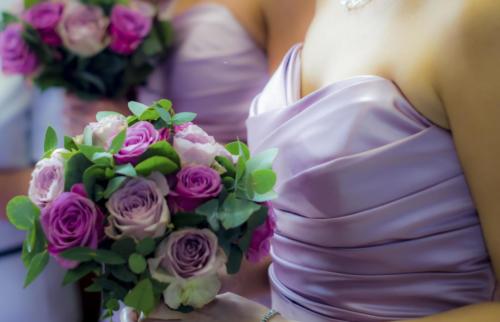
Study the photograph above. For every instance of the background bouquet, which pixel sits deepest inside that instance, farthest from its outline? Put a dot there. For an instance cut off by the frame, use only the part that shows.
(92, 48)
(150, 204)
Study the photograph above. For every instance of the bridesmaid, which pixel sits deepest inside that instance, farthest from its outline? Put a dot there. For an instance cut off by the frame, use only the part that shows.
(222, 55)
(388, 203)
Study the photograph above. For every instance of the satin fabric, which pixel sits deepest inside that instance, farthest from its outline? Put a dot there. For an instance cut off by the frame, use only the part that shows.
(215, 69)
(375, 219)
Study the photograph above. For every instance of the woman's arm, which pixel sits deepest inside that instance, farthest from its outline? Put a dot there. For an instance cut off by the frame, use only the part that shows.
(469, 85)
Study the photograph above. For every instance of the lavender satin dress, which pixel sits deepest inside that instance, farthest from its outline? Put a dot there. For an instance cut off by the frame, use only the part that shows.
(375, 219)
(214, 70)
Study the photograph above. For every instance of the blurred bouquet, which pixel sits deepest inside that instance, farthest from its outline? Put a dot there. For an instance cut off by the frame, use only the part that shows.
(92, 48)
(150, 204)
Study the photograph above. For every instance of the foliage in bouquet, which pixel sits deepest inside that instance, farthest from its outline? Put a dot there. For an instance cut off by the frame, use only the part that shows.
(92, 48)
(150, 204)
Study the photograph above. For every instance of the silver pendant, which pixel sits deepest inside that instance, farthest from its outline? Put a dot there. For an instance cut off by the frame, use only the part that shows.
(354, 4)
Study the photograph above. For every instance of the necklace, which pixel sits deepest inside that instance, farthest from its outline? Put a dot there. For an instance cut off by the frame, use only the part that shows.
(354, 4)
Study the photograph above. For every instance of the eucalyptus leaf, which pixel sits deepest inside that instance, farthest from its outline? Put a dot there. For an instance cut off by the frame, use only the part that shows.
(263, 181)
(50, 142)
(238, 148)
(122, 273)
(157, 163)
(36, 267)
(235, 212)
(113, 185)
(76, 274)
(126, 170)
(137, 263)
(108, 257)
(184, 117)
(164, 114)
(146, 246)
(141, 297)
(262, 160)
(210, 210)
(118, 141)
(79, 254)
(22, 213)
(137, 108)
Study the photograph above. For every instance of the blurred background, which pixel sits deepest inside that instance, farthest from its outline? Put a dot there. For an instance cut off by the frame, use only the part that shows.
(24, 115)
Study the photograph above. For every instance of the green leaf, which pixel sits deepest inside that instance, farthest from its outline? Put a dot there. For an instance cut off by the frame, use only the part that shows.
(181, 118)
(34, 244)
(227, 164)
(164, 114)
(22, 212)
(263, 181)
(94, 288)
(103, 114)
(126, 170)
(137, 108)
(146, 246)
(30, 3)
(87, 136)
(90, 150)
(115, 289)
(165, 104)
(69, 143)
(210, 210)
(7, 19)
(152, 45)
(141, 297)
(255, 221)
(124, 247)
(79, 254)
(137, 263)
(240, 169)
(263, 160)
(112, 304)
(113, 185)
(234, 260)
(122, 273)
(235, 212)
(149, 115)
(50, 142)
(80, 272)
(117, 143)
(265, 197)
(108, 257)
(162, 148)
(238, 148)
(157, 163)
(37, 265)
(104, 159)
(181, 220)
(90, 178)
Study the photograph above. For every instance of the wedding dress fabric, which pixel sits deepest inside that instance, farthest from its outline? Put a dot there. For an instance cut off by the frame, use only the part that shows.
(375, 219)
(215, 69)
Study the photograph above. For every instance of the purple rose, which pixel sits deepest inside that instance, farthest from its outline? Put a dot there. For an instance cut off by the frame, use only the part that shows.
(83, 29)
(189, 252)
(128, 28)
(139, 137)
(195, 185)
(188, 260)
(47, 180)
(45, 17)
(17, 58)
(72, 220)
(139, 209)
(260, 244)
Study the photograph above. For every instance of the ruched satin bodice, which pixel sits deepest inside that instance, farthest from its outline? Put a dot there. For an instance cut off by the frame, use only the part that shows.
(375, 219)
(215, 69)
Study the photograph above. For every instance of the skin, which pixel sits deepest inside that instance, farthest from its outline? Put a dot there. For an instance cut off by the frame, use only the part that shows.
(451, 78)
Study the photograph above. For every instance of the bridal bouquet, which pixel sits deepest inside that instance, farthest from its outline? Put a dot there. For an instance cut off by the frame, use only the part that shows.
(150, 204)
(92, 48)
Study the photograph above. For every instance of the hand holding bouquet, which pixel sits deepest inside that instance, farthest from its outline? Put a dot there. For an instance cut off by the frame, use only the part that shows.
(150, 204)
(93, 48)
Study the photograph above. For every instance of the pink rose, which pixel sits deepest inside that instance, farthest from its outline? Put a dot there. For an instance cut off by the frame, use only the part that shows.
(45, 17)
(17, 57)
(139, 137)
(260, 245)
(83, 29)
(104, 131)
(47, 180)
(195, 146)
(128, 28)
